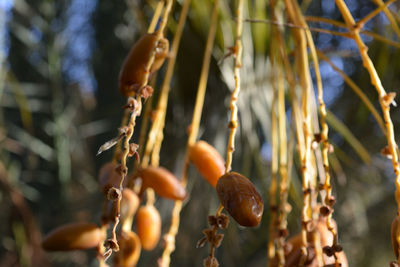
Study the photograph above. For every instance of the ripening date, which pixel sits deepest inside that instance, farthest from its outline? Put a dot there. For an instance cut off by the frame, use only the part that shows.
(240, 198)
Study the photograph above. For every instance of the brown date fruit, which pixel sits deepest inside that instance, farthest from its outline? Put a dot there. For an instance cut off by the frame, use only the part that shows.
(148, 226)
(163, 182)
(74, 236)
(133, 70)
(129, 250)
(240, 198)
(207, 161)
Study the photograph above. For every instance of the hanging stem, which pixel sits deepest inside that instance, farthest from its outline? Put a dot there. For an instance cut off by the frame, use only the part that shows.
(274, 182)
(384, 99)
(136, 111)
(356, 90)
(161, 112)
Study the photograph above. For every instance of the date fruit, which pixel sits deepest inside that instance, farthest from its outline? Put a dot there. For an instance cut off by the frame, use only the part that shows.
(74, 236)
(207, 161)
(133, 70)
(240, 198)
(148, 226)
(163, 182)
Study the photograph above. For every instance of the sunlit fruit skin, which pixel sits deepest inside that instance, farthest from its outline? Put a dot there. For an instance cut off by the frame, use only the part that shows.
(164, 183)
(74, 236)
(129, 204)
(240, 198)
(108, 177)
(148, 226)
(207, 161)
(133, 70)
(394, 230)
(129, 250)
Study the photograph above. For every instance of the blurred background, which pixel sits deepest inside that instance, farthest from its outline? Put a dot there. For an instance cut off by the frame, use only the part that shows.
(59, 65)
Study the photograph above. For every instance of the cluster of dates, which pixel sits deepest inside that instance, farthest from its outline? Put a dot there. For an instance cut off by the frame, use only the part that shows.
(237, 195)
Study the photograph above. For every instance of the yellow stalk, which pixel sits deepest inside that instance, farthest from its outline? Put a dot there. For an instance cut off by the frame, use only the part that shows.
(382, 6)
(389, 15)
(131, 126)
(356, 90)
(308, 180)
(384, 98)
(274, 182)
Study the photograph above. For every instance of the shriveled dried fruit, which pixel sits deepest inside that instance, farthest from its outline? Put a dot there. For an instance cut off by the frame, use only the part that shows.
(207, 161)
(394, 230)
(74, 236)
(133, 70)
(164, 183)
(148, 226)
(129, 250)
(240, 198)
(109, 177)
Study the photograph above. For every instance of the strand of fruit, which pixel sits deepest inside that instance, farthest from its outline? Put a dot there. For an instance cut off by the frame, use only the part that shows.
(385, 100)
(274, 183)
(308, 177)
(168, 238)
(225, 182)
(284, 207)
(327, 209)
(151, 28)
(87, 235)
(154, 177)
(132, 67)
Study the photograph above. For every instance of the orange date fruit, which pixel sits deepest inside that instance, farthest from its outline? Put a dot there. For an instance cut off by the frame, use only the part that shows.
(129, 204)
(129, 250)
(74, 236)
(240, 198)
(132, 74)
(163, 182)
(148, 226)
(207, 161)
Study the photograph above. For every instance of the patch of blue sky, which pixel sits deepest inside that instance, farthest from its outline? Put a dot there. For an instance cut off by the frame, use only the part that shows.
(79, 34)
(5, 16)
(332, 82)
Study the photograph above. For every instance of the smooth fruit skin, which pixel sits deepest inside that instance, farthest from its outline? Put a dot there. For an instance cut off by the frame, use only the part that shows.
(129, 250)
(208, 161)
(133, 70)
(164, 183)
(129, 204)
(148, 226)
(74, 236)
(240, 198)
